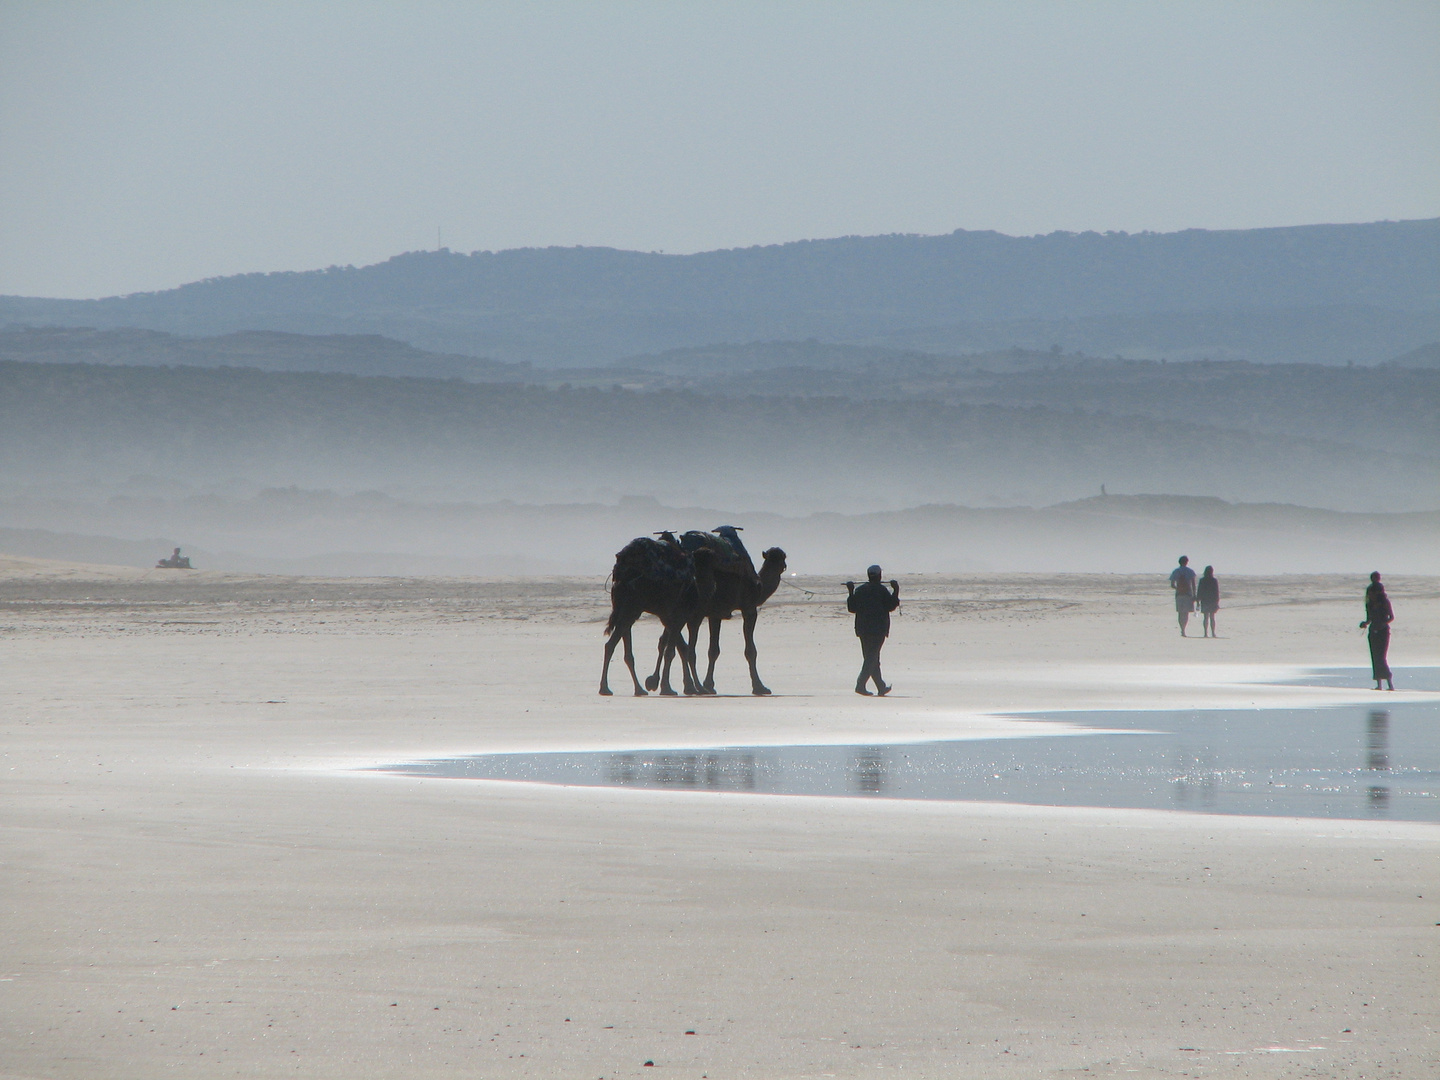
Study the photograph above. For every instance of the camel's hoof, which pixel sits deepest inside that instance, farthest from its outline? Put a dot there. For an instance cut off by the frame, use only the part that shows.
(652, 682)
(640, 693)
(669, 691)
(709, 691)
(761, 691)
(605, 691)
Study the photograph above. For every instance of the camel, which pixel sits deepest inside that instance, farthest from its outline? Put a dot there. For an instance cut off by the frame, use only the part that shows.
(737, 588)
(659, 578)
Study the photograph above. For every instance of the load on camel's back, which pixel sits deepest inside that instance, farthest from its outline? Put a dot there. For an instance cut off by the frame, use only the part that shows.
(661, 578)
(724, 541)
(737, 588)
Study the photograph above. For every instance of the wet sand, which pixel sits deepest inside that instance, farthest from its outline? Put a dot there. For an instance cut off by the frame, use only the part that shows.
(197, 885)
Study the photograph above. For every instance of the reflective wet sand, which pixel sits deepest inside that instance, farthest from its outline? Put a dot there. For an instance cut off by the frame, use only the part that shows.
(1332, 762)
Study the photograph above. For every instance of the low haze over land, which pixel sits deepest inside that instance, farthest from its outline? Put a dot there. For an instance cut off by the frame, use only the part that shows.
(366, 455)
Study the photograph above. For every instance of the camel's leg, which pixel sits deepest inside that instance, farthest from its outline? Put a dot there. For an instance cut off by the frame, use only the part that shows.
(687, 660)
(700, 687)
(676, 645)
(687, 657)
(709, 683)
(652, 681)
(610, 643)
(686, 635)
(756, 686)
(630, 663)
(668, 640)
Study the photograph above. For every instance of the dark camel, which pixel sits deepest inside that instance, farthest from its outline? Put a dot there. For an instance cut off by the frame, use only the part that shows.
(737, 588)
(658, 578)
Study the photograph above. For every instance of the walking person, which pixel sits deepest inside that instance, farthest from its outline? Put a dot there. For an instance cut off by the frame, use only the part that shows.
(871, 604)
(1207, 592)
(1182, 580)
(1378, 617)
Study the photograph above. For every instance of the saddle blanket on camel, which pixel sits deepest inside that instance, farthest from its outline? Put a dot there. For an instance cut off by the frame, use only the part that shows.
(730, 554)
(654, 560)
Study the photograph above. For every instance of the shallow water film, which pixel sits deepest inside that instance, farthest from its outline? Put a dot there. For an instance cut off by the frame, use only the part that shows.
(1346, 762)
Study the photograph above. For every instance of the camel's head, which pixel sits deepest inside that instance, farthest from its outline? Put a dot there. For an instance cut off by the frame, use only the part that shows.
(775, 557)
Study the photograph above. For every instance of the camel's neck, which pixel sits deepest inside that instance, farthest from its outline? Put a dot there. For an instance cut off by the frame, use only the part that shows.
(770, 579)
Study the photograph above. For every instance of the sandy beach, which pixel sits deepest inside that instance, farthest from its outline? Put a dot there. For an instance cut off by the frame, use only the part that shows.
(199, 881)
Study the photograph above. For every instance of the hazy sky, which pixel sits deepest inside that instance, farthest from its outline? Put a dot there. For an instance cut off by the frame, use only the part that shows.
(144, 145)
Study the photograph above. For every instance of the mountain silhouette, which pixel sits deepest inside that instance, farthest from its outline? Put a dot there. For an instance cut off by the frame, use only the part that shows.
(1325, 293)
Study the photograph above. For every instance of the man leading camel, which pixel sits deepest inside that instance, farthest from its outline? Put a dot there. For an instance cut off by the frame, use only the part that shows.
(872, 604)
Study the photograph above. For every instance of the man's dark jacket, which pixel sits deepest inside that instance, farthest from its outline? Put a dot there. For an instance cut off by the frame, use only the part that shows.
(872, 603)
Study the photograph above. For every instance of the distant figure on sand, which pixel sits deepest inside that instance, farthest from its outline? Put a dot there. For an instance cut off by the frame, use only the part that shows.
(872, 604)
(1182, 580)
(1207, 591)
(175, 562)
(1378, 617)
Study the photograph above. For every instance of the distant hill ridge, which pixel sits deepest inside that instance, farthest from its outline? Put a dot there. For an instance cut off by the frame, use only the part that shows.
(592, 305)
(265, 350)
(1426, 356)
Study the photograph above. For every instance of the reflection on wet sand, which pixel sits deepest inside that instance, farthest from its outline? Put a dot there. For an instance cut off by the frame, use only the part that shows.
(1196, 779)
(716, 770)
(1303, 762)
(1377, 758)
(868, 774)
